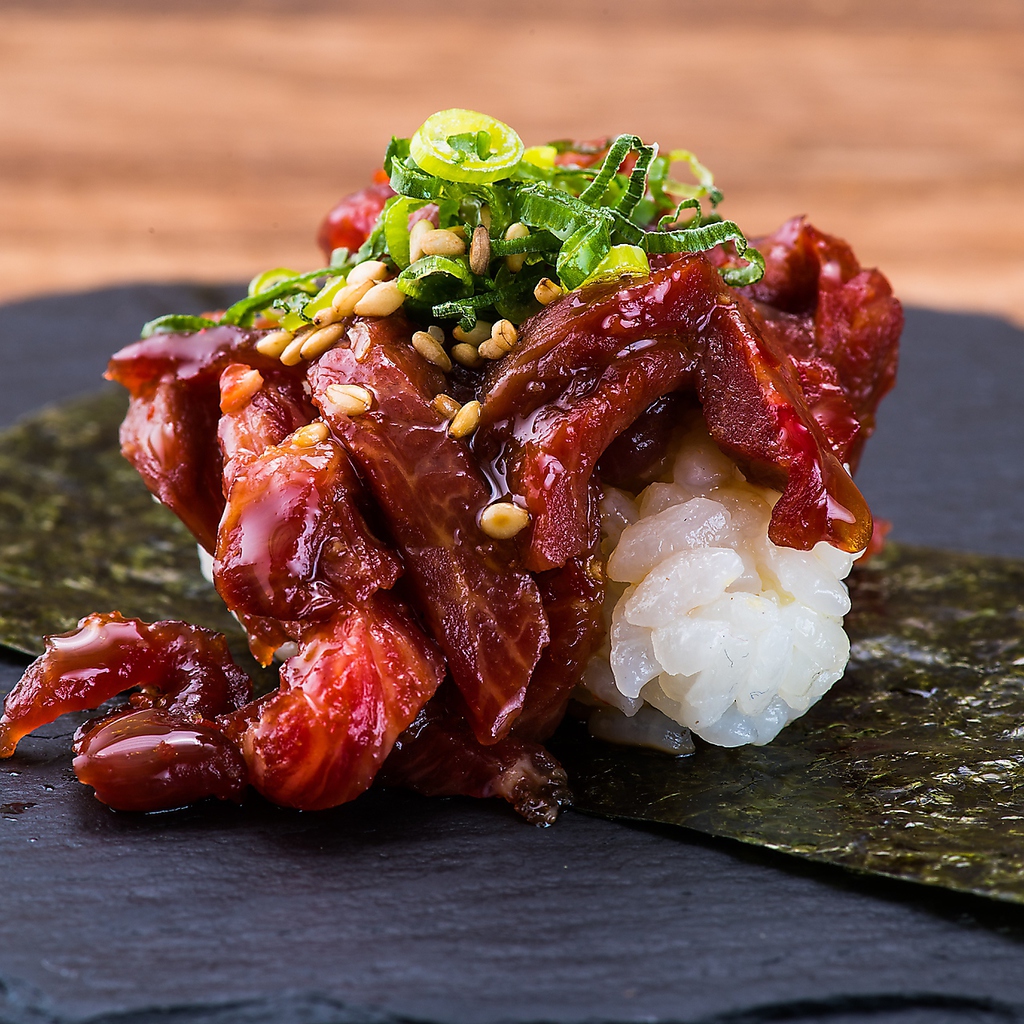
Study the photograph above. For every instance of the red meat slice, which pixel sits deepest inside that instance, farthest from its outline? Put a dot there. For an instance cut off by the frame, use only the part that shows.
(485, 612)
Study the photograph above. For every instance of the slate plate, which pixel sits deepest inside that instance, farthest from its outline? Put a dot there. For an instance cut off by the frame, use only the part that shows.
(447, 910)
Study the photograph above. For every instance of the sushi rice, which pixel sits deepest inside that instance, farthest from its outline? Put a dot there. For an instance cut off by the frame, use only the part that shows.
(712, 627)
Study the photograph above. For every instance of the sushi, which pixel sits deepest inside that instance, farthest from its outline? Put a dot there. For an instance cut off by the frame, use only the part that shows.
(545, 426)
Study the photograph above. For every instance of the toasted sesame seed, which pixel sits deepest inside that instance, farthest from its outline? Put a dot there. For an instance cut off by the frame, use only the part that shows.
(465, 421)
(480, 250)
(490, 349)
(318, 342)
(505, 334)
(446, 405)
(416, 233)
(437, 333)
(292, 355)
(346, 298)
(274, 343)
(481, 332)
(310, 434)
(595, 569)
(503, 520)
(350, 399)
(546, 291)
(362, 341)
(241, 388)
(466, 355)
(382, 299)
(368, 270)
(325, 316)
(428, 347)
(441, 242)
(516, 230)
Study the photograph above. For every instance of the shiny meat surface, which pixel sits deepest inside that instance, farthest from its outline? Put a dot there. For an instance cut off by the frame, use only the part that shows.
(424, 651)
(165, 751)
(485, 611)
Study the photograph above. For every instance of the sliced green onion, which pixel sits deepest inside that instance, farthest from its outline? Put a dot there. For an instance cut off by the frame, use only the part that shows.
(582, 253)
(621, 261)
(617, 152)
(175, 323)
(737, 277)
(435, 279)
(637, 180)
(697, 239)
(262, 282)
(673, 218)
(541, 156)
(241, 312)
(544, 207)
(538, 241)
(431, 147)
(324, 297)
(704, 177)
(396, 228)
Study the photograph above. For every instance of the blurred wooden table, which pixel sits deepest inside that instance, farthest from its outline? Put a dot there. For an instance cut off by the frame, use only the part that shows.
(169, 141)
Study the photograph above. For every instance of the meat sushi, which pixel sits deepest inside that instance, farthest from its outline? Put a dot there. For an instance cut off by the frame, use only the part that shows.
(544, 426)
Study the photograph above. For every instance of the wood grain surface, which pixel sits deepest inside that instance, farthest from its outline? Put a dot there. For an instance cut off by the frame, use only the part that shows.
(203, 141)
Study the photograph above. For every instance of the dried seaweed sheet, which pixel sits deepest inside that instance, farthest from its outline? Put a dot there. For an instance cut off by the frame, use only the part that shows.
(912, 767)
(79, 532)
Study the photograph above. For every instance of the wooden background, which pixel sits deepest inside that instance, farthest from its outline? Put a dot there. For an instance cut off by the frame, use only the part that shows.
(204, 140)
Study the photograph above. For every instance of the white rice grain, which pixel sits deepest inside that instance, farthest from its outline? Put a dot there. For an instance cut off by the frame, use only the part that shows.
(711, 623)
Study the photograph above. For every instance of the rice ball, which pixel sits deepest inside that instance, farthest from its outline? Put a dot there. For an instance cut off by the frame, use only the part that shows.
(709, 622)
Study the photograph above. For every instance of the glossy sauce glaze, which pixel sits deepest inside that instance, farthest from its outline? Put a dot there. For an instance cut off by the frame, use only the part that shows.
(421, 650)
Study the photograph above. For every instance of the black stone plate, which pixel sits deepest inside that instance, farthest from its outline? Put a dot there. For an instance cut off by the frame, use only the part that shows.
(401, 908)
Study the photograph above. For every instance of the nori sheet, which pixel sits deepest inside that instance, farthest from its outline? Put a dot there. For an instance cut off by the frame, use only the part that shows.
(911, 767)
(79, 533)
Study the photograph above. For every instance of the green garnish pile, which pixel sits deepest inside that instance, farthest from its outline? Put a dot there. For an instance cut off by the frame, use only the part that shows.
(584, 225)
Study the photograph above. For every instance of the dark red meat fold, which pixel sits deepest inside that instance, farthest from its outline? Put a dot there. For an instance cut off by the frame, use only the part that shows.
(166, 750)
(169, 434)
(485, 612)
(593, 361)
(438, 755)
(356, 683)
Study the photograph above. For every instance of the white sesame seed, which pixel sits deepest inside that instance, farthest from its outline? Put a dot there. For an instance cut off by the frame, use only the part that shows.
(382, 299)
(436, 333)
(274, 343)
(546, 291)
(481, 332)
(350, 399)
(317, 343)
(516, 230)
(503, 520)
(441, 242)
(368, 270)
(416, 233)
(446, 405)
(465, 421)
(325, 316)
(466, 355)
(310, 434)
(428, 347)
(292, 355)
(346, 298)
